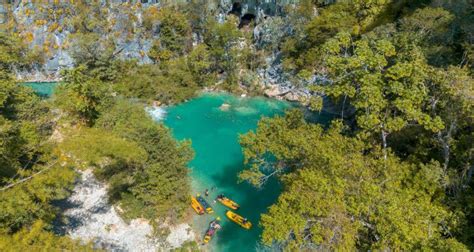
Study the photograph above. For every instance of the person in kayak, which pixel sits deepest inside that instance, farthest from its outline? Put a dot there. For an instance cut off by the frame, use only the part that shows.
(245, 221)
(213, 227)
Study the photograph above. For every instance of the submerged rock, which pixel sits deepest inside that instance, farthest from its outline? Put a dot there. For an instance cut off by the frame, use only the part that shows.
(224, 107)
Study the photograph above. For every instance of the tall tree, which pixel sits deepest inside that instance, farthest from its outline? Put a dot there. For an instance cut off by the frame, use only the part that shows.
(388, 93)
(222, 40)
(31, 177)
(175, 35)
(82, 95)
(452, 93)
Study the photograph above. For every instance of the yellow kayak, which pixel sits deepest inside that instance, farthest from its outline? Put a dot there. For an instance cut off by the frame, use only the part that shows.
(238, 219)
(228, 202)
(207, 238)
(197, 206)
(214, 226)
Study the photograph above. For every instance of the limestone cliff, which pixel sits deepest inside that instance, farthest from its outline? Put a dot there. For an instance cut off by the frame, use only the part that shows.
(48, 29)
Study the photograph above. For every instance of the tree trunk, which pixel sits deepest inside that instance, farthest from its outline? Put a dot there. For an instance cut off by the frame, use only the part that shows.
(444, 141)
(384, 144)
(343, 107)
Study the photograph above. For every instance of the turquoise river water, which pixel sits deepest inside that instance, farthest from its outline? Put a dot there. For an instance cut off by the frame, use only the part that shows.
(214, 132)
(43, 89)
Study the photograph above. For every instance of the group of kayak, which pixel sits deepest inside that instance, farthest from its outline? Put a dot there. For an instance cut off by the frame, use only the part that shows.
(201, 206)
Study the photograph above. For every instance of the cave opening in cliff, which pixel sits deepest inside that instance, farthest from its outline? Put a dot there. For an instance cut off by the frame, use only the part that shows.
(236, 9)
(246, 19)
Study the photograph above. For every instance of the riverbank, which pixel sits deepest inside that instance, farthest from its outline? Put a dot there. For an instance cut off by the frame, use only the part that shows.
(46, 88)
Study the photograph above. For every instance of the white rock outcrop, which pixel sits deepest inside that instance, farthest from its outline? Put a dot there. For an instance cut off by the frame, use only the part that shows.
(89, 217)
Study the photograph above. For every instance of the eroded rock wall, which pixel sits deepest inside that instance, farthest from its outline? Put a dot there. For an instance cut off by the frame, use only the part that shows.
(48, 29)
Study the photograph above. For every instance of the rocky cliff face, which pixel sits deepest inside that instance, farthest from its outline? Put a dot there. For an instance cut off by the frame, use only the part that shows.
(48, 30)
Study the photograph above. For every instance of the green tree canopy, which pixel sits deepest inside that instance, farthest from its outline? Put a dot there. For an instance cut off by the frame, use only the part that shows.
(144, 165)
(175, 34)
(82, 96)
(37, 238)
(388, 93)
(339, 195)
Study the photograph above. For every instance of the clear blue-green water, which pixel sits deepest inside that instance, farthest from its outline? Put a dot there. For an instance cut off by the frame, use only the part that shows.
(43, 89)
(214, 133)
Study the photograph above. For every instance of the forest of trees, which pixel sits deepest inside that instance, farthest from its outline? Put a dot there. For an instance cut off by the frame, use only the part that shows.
(31, 173)
(393, 171)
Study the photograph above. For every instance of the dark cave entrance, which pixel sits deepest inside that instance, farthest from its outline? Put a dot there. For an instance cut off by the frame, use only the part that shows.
(246, 20)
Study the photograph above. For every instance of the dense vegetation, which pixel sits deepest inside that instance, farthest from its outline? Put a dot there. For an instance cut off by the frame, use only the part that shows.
(90, 123)
(392, 172)
(31, 174)
(143, 165)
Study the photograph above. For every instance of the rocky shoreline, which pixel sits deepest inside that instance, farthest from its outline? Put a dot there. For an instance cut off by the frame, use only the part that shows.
(89, 217)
